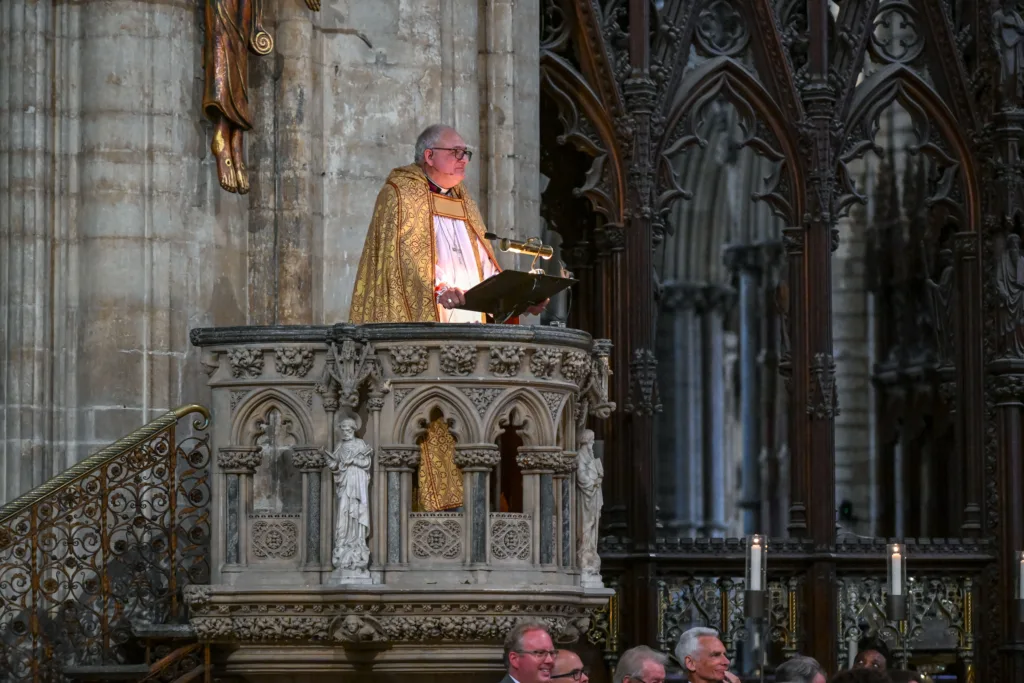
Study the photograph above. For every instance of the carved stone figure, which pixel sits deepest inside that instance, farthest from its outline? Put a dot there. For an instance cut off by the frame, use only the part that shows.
(350, 464)
(589, 475)
(1008, 36)
(940, 294)
(233, 29)
(1010, 284)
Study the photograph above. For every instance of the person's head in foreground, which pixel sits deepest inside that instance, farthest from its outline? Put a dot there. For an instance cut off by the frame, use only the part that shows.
(569, 667)
(872, 654)
(861, 676)
(529, 652)
(702, 656)
(800, 669)
(641, 664)
(904, 676)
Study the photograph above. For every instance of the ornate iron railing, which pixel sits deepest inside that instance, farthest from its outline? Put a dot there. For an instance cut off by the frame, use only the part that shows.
(108, 543)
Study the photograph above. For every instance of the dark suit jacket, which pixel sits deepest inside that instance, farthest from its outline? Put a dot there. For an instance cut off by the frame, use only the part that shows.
(506, 679)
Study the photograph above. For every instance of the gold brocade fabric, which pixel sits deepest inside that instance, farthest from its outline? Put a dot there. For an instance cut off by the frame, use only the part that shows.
(440, 481)
(395, 280)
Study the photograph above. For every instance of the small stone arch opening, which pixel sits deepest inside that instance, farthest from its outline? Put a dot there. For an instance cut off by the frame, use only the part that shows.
(507, 482)
(437, 486)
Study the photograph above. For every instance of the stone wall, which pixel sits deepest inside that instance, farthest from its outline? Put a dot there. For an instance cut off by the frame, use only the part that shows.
(116, 237)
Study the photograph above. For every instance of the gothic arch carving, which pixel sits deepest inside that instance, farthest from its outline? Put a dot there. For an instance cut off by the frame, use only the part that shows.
(724, 77)
(243, 430)
(588, 128)
(522, 407)
(415, 413)
(897, 83)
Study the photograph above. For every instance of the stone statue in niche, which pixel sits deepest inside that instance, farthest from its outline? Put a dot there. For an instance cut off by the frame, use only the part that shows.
(1008, 39)
(940, 295)
(589, 475)
(1010, 284)
(350, 464)
(233, 29)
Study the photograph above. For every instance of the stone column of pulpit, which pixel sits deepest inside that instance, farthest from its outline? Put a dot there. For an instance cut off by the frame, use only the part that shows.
(477, 461)
(399, 464)
(310, 461)
(565, 504)
(538, 465)
(237, 465)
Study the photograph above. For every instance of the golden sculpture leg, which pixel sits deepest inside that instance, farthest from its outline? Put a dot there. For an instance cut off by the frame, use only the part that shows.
(238, 157)
(222, 153)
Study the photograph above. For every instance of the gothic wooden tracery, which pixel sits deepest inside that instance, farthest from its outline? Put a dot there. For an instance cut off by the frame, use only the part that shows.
(812, 88)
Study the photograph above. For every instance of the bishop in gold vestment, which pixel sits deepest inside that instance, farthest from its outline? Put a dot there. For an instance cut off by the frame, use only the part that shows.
(424, 249)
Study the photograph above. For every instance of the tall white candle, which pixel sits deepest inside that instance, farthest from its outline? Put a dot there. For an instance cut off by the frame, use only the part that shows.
(897, 574)
(755, 567)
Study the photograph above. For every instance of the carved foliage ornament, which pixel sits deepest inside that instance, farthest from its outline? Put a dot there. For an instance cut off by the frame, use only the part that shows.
(246, 362)
(293, 361)
(458, 359)
(505, 360)
(239, 458)
(409, 361)
(308, 458)
(544, 361)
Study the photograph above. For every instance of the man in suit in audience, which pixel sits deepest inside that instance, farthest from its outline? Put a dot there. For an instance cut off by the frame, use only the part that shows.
(569, 667)
(529, 653)
(800, 669)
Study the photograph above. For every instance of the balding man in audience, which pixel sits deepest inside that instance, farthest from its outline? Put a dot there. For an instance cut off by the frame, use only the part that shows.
(800, 669)
(703, 657)
(569, 667)
(641, 664)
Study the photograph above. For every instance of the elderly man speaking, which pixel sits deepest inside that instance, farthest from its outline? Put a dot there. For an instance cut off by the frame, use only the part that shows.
(426, 245)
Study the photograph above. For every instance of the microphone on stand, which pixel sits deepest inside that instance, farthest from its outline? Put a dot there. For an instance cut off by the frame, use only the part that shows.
(531, 247)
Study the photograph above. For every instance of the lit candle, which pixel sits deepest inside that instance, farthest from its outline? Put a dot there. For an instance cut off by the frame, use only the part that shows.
(897, 574)
(755, 567)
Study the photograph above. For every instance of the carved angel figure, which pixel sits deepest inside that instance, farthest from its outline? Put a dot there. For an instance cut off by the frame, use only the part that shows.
(589, 475)
(1010, 283)
(350, 464)
(941, 296)
(233, 29)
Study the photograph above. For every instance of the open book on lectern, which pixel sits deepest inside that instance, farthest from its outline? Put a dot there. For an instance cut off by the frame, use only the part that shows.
(511, 292)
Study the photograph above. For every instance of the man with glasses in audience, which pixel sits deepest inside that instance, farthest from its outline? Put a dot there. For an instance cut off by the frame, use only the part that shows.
(640, 664)
(425, 246)
(529, 653)
(569, 667)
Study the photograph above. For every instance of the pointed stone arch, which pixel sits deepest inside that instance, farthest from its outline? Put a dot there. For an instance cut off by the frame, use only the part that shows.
(526, 407)
(260, 402)
(415, 413)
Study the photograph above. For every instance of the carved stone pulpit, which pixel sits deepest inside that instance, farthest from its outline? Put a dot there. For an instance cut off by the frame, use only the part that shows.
(321, 434)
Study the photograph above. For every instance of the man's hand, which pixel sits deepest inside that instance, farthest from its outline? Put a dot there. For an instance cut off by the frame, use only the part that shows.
(537, 309)
(452, 297)
(731, 678)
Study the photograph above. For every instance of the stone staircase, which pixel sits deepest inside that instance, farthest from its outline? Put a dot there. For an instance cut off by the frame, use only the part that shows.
(93, 563)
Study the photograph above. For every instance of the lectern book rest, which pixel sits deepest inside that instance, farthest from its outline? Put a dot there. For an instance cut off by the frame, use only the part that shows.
(511, 292)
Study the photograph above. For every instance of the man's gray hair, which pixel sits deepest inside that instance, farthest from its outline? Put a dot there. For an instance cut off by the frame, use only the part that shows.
(514, 639)
(632, 661)
(689, 642)
(428, 138)
(798, 669)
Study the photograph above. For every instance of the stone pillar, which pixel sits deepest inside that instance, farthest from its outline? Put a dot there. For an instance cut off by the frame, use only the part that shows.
(717, 300)
(538, 465)
(237, 465)
(745, 260)
(399, 464)
(565, 504)
(680, 430)
(477, 461)
(310, 461)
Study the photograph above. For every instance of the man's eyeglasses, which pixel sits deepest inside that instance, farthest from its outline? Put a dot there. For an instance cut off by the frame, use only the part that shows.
(575, 674)
(539, 654)
(458, 152)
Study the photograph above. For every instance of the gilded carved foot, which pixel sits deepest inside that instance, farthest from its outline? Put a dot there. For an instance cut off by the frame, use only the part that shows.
(238, 157)
(222, 153)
